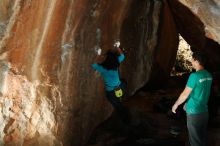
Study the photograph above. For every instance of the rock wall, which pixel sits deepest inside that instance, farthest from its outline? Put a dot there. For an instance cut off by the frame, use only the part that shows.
(166, 49)
(199, 25)
(49, 93)
(208, 12)
(148, 33)
(5, 13)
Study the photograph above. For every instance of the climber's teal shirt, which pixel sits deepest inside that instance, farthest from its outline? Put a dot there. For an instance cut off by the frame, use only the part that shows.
(110, 77)
(200, 83)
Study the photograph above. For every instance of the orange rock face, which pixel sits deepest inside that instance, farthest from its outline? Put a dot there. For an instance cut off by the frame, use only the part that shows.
(49, 93)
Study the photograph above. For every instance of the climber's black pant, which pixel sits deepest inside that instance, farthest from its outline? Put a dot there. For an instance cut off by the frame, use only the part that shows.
(117, 103)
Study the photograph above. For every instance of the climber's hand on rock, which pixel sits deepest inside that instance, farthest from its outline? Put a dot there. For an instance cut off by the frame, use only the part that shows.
(117, 44)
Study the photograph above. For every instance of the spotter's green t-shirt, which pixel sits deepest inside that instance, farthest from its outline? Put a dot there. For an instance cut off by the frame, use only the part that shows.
(200, 83)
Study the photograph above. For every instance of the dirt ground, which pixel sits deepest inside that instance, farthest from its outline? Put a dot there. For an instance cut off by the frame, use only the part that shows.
(145, 101)
(151, 123)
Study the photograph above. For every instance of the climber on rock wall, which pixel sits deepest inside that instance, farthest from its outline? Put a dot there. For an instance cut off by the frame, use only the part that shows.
(108, 66)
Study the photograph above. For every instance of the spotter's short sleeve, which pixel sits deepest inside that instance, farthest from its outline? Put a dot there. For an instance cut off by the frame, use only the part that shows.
(191, 83)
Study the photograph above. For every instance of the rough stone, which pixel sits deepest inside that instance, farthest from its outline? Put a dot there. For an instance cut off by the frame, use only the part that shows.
(49, 93)
(199, 27)
(208, 11)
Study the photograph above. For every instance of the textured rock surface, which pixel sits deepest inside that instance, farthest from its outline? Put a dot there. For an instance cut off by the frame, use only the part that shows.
(208, 11)
(149, 32)
(5, 13)
(166, 49)
(49, 93)
(200, 27)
